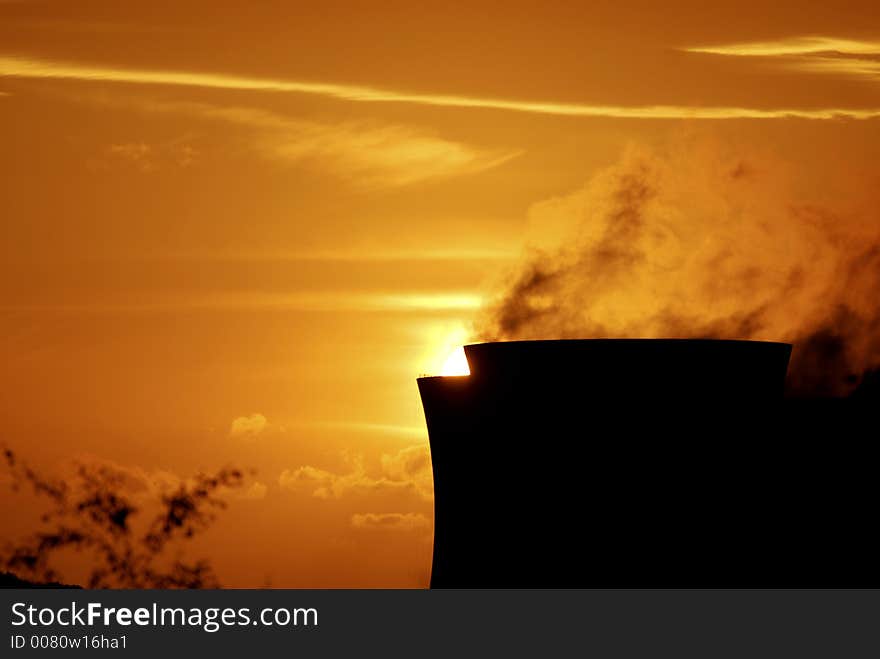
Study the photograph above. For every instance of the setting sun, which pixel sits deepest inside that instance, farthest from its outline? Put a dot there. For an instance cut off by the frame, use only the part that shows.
(456, 363)
(444, 352)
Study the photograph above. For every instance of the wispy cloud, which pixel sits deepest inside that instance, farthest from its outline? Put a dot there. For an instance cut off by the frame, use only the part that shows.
(846, 66)
(806, 45)
(318, 301)
(35, 68)
(364, 253)
(811, 54)
(344, 301)
(365, 154)
(255, 492)
(375, 428)
(390, 521)
(148, 157)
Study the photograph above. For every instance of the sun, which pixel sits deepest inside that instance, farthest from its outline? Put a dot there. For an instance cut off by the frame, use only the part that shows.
(456, 363)
(443, 349)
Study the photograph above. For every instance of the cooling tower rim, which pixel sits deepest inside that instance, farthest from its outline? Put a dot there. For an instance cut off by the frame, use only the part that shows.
(657, 340)
(495, 350)
(498, 349)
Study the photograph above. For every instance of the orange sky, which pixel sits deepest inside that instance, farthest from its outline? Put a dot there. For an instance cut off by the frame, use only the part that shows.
(283, 213)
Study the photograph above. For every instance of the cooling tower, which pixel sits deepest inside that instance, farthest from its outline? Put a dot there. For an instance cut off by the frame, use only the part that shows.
(643, 463)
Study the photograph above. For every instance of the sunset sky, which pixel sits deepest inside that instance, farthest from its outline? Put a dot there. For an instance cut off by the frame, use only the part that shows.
(236, 232)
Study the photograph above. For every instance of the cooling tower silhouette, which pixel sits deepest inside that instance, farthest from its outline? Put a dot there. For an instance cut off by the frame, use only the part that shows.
(641, 463)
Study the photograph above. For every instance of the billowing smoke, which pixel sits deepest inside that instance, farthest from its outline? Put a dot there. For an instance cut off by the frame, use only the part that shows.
(696, 241)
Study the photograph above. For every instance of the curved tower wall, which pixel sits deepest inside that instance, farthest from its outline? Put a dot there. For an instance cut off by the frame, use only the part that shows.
(626, 463)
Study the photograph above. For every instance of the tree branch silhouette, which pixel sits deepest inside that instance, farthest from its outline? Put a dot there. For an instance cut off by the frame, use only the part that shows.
(94, 515)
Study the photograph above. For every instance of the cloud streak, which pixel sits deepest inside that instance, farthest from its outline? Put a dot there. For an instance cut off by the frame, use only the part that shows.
(23, 67)
(390, 521)
(809, 54)
(326, 301)
(343, 301)
(807, 45)
(854, 67)
(366, 154)
(369, 154)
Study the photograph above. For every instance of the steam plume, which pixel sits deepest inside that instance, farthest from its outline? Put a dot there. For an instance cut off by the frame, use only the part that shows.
(697, 242)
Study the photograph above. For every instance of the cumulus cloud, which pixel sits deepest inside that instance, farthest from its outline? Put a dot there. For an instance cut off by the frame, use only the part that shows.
(390, 521)
(699, 240)
(408, 470)
(411, 465)
(248, 427)
(253, 492)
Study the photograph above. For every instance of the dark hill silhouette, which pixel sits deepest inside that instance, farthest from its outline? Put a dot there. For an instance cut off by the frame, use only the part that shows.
(645, 463)
(9, 580)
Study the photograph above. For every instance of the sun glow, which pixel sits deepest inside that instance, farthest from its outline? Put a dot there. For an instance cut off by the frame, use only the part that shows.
(456, 363)
(444, 352)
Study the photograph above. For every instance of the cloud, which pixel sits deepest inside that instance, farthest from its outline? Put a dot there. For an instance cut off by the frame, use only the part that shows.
(138, 153)
(149, 157)
(326, 301)
(330, 485)
(702, 241)
(381, 155)
(366, 154)
(370, 427)
(390, 521)
(805, 45)
(408, 470)
(134, 479)
(385, 253)
(248, 427)
(147, 486)
(411, 464)
(810, 54)
(336, 301)
(150, 484)
(24, 67)
(253, 492)
(856, 67)
(144, 486)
